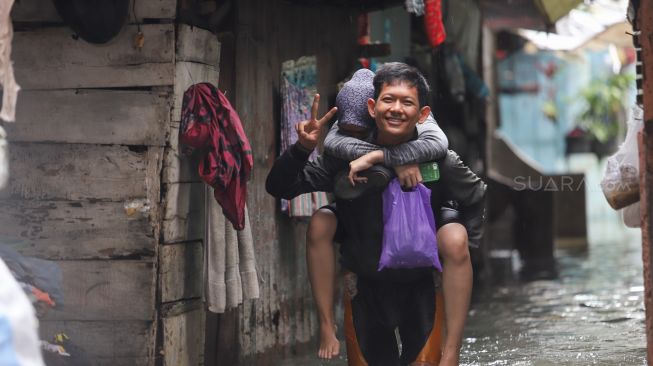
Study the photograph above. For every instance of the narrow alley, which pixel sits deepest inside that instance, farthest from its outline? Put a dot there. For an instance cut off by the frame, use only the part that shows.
(592, 315)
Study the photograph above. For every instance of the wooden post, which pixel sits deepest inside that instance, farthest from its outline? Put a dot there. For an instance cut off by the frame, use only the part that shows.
(645, 25)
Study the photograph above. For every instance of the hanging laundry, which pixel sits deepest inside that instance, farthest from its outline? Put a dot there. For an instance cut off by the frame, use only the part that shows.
(9, 87)
(210, 124)
(433, 22)
(298, 86)
(453, 74)
(415, 7)
(474, 85)
(230, 275)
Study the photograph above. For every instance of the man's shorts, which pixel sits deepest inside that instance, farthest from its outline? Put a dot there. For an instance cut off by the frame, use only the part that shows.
(447, 215)
(374, 309)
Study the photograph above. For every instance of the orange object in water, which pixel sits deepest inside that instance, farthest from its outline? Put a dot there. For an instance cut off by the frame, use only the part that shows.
(430, 354)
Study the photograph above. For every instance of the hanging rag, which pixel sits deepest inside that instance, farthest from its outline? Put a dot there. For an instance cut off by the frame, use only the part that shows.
(9, 87)
(415, 7)
(210, 124)
(433, 22)
(230, 275)
(298, 87)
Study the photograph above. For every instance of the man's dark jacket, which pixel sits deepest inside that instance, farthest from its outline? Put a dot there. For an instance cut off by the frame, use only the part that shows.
(362, 218)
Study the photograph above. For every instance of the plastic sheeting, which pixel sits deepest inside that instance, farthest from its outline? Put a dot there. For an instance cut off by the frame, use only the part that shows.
(580, 26)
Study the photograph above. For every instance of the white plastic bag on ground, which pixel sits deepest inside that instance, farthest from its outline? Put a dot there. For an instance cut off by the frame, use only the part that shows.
(620, 183)
(631, 216)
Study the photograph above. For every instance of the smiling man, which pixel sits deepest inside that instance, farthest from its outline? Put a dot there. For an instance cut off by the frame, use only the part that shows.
(393, 299)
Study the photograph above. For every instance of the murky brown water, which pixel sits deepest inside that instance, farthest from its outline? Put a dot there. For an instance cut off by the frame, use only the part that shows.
(592, 315)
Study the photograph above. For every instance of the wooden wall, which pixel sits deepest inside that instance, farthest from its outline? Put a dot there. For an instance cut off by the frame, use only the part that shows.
(267, 33)
(181, 252)
(95, 131)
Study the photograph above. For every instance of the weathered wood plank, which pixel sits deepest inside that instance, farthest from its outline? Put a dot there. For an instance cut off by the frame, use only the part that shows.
(183, 339)
(180, 271)
(178, 167)
(197, 45)
(183, 218)
(179, 307)
(49, 58)
(187, 74)
(76, 230)
(80, 172)
(106, 290)
(105, 341)
(44, 10)
(92, 116)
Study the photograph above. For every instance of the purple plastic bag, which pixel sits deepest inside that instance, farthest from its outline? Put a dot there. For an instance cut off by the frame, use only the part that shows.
(409, 229)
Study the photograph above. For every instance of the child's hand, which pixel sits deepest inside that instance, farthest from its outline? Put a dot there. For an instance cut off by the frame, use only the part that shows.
(409, 175)
(363, 163)
(357, 166)
(308, 132)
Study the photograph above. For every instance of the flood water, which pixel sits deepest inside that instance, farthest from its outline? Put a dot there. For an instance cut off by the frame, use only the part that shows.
(592, 315)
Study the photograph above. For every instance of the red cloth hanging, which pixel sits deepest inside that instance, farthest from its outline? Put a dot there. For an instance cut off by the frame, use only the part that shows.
(433, 22)
(210, 124)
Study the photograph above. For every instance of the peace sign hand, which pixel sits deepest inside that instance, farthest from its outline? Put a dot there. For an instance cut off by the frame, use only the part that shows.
(308, 132)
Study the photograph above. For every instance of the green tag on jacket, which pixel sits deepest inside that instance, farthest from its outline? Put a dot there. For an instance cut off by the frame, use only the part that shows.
(430, 171)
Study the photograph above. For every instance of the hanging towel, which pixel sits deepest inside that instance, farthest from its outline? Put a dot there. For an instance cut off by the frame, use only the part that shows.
(209, 123)
(248, 274)
(9, 87)
(215, 292)
(230, 275)
(298, 87)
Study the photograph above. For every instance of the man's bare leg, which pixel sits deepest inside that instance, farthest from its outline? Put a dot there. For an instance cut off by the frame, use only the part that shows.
(456, 286)
(320, 258)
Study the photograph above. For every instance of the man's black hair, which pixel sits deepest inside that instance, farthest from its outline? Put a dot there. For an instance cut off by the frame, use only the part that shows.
(393, 73)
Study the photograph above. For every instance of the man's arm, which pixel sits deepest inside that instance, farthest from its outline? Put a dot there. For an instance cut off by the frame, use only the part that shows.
(431, 144)
(466, 188)
(292, 174)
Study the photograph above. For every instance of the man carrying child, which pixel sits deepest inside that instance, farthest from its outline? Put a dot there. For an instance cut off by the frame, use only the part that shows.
(390, 299)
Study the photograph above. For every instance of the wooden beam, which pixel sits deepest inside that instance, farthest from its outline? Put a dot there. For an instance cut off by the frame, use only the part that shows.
(83, 172)
(106, 290)
(76, 229)
(180, 271)
(179, 307)
(44, 11)
(178, 167)
(92, 116)
(50, 58)
(183, 344)
(183, 218)
(197, 45)
(645, 25)
(187, 74)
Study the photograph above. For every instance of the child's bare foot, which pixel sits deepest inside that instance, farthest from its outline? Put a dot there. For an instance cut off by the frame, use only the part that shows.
(329, 344)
